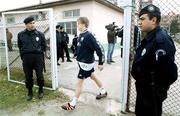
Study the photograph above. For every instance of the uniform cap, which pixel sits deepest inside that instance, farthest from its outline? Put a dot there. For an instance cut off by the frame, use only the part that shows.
(150, 9)
(58, 26)
(28, 20)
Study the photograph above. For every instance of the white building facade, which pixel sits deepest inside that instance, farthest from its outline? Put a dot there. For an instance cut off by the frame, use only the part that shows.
(66, 12)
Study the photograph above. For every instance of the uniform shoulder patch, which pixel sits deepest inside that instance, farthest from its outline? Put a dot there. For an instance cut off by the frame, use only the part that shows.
(160, 52)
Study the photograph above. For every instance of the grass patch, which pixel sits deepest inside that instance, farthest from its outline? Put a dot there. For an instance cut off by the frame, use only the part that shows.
(17, 74)
(13, 96)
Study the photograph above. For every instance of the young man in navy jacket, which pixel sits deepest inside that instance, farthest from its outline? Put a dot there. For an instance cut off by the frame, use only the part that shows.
(86, 46)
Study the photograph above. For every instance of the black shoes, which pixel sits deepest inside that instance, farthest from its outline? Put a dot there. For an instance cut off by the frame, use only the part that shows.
(68, 60)
(112, 61)
(108, 62)
(58, 64)
(30, 95)
(40, 93)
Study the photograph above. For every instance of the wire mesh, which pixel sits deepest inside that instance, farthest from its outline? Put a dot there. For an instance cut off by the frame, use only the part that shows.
(14, 23)
(2, 50)
(170, 19)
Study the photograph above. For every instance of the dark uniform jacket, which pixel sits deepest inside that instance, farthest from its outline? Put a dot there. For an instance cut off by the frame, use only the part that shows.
(58, 38)
(64, 38)
(85, 48)
(31, 42)
(154, 60)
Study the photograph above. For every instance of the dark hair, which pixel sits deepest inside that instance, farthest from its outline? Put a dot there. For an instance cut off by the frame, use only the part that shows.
(58, 26)
(152, 15)
(84, 20)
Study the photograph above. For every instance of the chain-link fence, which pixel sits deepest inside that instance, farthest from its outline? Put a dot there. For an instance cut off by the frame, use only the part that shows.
(14, 24)
(2, 50)
(170, 20)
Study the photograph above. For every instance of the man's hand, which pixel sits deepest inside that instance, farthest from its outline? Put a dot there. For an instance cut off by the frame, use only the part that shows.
(100, 67)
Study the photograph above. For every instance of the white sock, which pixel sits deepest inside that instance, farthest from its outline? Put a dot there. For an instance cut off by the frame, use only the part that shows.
(102, 90)
(74, 101)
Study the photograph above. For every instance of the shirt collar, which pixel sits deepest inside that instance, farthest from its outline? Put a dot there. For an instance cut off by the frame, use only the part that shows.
(84, 31)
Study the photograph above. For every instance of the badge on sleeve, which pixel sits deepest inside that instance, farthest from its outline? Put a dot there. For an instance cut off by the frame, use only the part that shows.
(82, 38)
(160, 52)
(37, 38)
(143, 52)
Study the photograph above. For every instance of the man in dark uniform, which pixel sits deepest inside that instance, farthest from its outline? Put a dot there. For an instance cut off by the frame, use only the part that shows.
(64, 43)
(74, 44)
(153, 68)
(58, 43)
(32, 45)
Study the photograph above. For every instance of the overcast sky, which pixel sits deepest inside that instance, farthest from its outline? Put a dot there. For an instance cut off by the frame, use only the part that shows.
(12, 4)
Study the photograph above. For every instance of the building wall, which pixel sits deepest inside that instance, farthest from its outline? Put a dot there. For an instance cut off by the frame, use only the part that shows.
(85, 10)
(98, 15)
(102, 16)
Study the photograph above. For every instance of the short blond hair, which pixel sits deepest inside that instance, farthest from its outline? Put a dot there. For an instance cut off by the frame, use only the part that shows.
(83, 20)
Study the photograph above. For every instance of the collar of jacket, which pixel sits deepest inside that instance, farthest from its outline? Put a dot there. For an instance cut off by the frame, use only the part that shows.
(150, 34)
(84, 31)
(33, 31)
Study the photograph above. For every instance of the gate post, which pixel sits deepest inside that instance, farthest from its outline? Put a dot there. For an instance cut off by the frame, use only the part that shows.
(126, 52)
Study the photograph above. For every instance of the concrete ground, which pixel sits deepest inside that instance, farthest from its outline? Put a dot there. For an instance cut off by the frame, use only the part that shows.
(110, 77)
(87, 105)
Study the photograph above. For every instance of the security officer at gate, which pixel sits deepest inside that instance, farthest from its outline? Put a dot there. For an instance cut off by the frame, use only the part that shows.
(32, 45)
(153, 68)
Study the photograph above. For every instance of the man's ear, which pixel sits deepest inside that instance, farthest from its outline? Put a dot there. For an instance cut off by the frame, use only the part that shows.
(154, 20)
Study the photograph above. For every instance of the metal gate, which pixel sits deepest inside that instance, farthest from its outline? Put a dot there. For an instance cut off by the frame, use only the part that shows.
(170, 19)
(13, 22)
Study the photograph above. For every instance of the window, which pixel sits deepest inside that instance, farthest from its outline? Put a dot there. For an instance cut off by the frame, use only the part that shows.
(39, 16)
(42, 15)
(10, 20)
(36, 17)
(76, 13)
(71, 13)
(69, 27)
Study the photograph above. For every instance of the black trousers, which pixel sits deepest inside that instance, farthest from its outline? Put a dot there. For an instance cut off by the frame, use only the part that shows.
(33, 62)
(65, 48)
(121, 43)
(149, 100)
(59, 52)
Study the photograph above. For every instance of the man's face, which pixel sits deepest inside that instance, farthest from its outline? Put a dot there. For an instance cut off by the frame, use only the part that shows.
(61, 30)
(58, 29)
(146, 24)
(80, 26)
(30, 26)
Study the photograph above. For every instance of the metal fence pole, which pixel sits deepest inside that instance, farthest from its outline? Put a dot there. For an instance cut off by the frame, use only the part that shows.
(6, 48)
(126, 51)
(53, 51)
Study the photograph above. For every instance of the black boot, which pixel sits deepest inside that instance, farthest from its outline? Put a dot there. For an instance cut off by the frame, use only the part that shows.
(68, 60)
(30, 95)
(40, 93)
